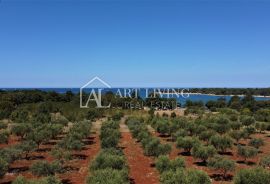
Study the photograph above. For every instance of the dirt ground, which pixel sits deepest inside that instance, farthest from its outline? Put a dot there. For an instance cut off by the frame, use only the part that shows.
(216, 175)
(77, 168)
(142, 170)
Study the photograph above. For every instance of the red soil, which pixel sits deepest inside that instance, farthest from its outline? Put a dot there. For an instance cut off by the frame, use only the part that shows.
(74, 176)
(12, 140)
(192, 163)
(141, 169)
(80, 176)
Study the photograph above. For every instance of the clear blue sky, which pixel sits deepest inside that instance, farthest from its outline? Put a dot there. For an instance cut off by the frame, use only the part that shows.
(153, 43)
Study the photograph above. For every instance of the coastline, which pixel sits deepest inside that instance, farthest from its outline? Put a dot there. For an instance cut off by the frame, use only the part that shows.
(210, 94)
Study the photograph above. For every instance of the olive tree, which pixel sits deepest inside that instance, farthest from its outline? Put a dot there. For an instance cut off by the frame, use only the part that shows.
(221, 143)
(247, 152)
(3, 167)
(247, 120)
(27, 147)
(163, 126)
(186, 143)
(163, 163)
(182, 176)
(44, 168)
(153, 147)
(256, 142)
(223, 164)
(265, 161)
(203, 152)
(21, 130)
(4, 137)
(236, 135)
(252, 176)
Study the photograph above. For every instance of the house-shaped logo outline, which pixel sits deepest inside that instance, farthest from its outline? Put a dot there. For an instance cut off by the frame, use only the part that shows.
(87, 84)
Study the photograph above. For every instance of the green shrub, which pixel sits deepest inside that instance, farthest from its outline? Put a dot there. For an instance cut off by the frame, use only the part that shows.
(111, 140)
(186, 143)
(221, 143)
(92, 114)
(110, 158)
(252, 176)
(6, 109)
(203, 152)
(27, 147)
(197, 177)
(247, 152)
(49, 180)
(3, 125)
(236, 135)
(256, 143)
(206, 135)
(3, 167)
(21, 180)
(61, 154)
(46, 180)
(163, 126)
(236, 125)
(4, 137)
(117, 116)
(108, 176)
(10, 154)
(247, 120)
(182, 176)
(265, 161)
(247, 131)
(222, 125)
(261, 126)
(179, 133)
(163, 163)
(222, 164)
(109, 128)
(44, 168)
(21, 130)
(153, 147)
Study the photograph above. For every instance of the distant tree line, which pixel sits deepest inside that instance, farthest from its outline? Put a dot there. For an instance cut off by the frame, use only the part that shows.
(232, 91)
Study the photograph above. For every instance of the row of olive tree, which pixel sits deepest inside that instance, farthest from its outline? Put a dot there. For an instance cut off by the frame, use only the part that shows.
(110, 164)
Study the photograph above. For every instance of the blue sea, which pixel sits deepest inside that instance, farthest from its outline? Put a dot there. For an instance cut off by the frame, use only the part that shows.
(193, 97)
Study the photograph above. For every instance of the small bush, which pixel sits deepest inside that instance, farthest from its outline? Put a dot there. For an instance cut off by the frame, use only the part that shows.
(109, 159)
(182, 176)
(117, 116)
(186, 143)
(3, 167)
(265, 161)
(246, 152)
(108, 176)
(252, 176)
(247, 120)
(4, 137)
(256, 143)
(236, 135)
(203, 152)
(46, 180)
(153, 147)
(221, 143)
(109, 134)
(10, 154)
(44, 168)
(222, 164)
(163, 163)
